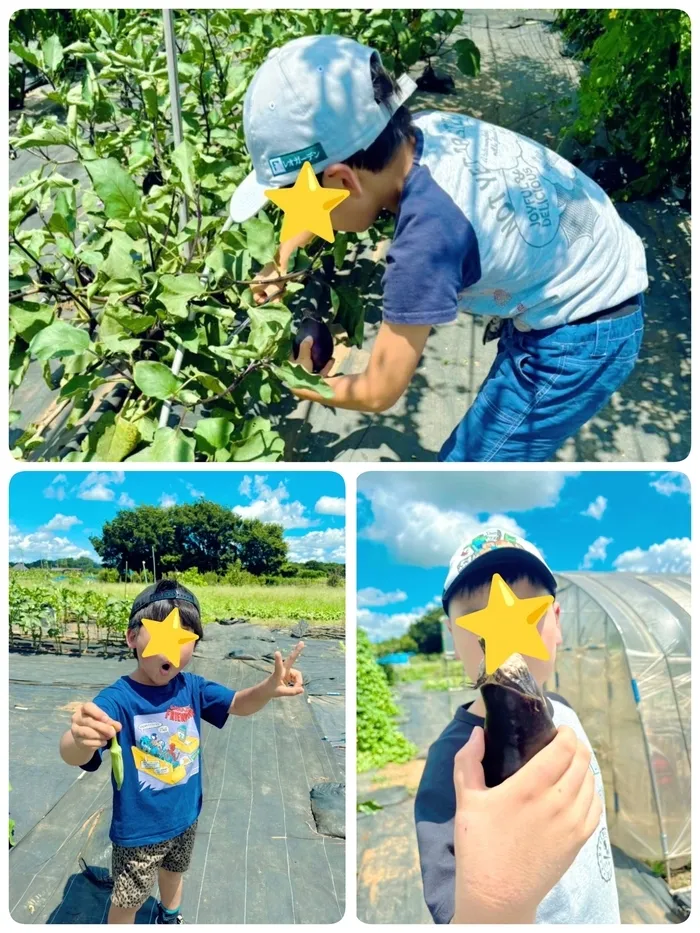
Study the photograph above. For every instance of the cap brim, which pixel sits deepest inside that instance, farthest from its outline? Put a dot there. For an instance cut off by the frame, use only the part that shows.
(248, 198)
(492, 560)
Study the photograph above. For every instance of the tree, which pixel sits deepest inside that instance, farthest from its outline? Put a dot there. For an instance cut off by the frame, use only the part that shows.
(129, 537)
(207, 535)
(427, 632)
(203, 535)
(263, 548)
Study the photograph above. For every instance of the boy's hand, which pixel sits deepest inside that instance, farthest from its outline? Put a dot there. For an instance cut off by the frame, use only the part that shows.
(514, 842)
(304, 359)
(286, 681)
(262, 292)
(91, 728)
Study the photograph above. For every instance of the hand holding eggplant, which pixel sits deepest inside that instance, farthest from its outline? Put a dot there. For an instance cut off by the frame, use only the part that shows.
(313, 346)
(514, 842)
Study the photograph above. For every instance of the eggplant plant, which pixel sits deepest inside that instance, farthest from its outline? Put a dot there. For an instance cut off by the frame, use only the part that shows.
(121, 256)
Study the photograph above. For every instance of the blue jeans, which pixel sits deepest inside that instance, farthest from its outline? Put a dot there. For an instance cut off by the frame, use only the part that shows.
(543, 386)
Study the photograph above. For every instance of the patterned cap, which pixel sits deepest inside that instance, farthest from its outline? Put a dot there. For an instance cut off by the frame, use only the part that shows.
(490, 549)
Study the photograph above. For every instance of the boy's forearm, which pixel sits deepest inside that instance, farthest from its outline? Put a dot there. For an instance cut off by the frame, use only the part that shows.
(251, 700)
(476, 913)
(287, 248)
(354, 393)
(73, 754)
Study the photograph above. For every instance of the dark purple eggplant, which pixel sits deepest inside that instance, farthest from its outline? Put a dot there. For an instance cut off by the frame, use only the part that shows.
(322, 347)
(518, 723)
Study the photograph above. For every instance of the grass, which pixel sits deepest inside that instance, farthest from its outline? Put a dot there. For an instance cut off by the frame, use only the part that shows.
(280, 606)
(435, 672)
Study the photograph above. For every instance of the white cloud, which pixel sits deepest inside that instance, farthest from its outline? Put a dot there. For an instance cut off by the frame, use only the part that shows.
(380, 626)
(371, 596)
(42, 544)
(97, 487)
(596, 508)
(469, 491)
(62, 522)
(597, 551)
(669, 483)
(56, 488)
(197, 493)
(671, 556)
(422, 519)
(328, 545)
(269, 505)
(422, 535)
(167, 501)
(328, 505)
(126, 501)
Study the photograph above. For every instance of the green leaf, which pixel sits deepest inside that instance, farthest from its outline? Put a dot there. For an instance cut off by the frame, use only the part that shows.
(28, 55)
(135, 322)
(52, 51)
(340, 248)
(260, 235)
(213, 434)
(63, 219)
(259, 442)
(268, 327)
(57, 340)
(117, 441)
(115, 187)
(120, 264)
(468, 57)
(296, 377)
(29, 317)
(178, 290)
(47, 135)
(82, 382)
(169, 446)
(155, 379)
(183, 159)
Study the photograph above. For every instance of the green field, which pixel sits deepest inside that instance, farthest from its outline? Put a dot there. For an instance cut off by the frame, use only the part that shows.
(434, 671)
(278, 605)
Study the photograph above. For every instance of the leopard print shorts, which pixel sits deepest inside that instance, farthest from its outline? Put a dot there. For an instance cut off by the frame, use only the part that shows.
(135, 868)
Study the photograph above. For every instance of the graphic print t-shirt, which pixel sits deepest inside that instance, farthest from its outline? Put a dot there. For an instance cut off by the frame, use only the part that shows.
(161, 795)
(492, 223)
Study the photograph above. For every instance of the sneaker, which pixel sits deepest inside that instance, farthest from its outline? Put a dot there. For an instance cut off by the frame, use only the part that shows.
(161, 917)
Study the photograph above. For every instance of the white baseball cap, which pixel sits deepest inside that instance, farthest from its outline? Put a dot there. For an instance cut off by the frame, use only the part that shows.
(489, 550)
(311, 100)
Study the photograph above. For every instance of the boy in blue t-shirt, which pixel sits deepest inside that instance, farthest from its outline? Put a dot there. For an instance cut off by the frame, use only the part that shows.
(156, 712)
(488, 222)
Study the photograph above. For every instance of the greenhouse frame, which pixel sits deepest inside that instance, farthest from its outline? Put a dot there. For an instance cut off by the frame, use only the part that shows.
(624, 666)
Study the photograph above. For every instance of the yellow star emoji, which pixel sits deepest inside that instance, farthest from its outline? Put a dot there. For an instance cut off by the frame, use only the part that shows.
(307, 206)
(167, 637)
(508, 625)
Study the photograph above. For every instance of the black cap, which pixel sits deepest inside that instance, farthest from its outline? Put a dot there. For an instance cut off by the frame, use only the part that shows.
(174, 590)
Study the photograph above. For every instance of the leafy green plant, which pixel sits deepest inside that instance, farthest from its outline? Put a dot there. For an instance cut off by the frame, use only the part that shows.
(378, 738)
(637, 87)
(369, 806)
(130, 263)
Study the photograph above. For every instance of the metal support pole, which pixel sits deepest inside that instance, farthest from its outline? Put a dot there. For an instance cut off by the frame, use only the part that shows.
(153, 555)
(176, 117)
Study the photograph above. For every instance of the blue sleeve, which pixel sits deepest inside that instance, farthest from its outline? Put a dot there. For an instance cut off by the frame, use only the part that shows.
(433, 257)
(435, 825)
(215, 702)
(106, 702)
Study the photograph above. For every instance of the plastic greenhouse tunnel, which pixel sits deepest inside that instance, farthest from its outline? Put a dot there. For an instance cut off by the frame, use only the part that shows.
(624, 666)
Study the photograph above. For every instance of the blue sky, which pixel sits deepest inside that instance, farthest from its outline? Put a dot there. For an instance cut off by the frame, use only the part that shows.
(53, 514)
(410, 523)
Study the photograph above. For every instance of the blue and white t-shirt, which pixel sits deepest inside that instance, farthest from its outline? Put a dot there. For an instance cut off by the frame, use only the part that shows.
(495, 224)
(161, 795)
(586, 892)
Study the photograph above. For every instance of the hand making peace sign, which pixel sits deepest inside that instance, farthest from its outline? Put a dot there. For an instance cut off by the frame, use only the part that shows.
(286, 681)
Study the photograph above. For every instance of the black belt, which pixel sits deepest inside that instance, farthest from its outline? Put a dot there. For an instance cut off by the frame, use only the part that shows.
(624, 309)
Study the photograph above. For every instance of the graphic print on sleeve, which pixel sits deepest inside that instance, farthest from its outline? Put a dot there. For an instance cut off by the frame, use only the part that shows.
(167, 749)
